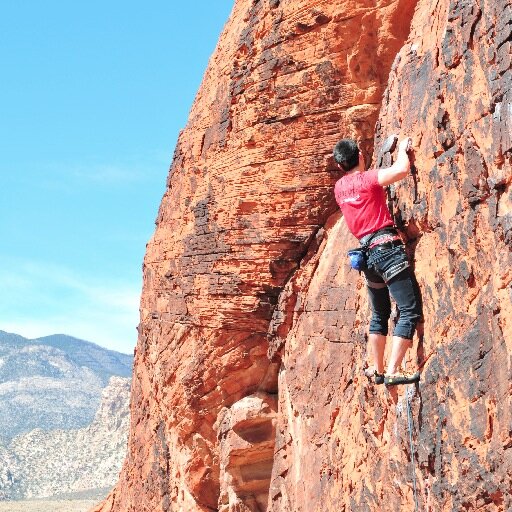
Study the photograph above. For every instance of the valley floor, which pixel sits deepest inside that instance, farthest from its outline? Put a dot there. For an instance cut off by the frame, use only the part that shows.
(47, 506)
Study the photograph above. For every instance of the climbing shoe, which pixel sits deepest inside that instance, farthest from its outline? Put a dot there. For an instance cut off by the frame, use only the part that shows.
(377, 377)
(401, 377)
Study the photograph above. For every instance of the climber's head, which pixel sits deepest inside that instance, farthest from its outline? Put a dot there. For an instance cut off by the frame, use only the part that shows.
(346, 154)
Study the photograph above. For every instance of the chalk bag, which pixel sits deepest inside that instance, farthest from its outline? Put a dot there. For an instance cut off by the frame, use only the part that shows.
(357, 258)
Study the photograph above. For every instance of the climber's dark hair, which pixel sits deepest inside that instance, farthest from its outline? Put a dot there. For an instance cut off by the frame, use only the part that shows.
(346, 153)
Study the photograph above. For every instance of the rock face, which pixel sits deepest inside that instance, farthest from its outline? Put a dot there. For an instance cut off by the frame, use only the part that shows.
(248, 299)
(78, 462)
(246, 441)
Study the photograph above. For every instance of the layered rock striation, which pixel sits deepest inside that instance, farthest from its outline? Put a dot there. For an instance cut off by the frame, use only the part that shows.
(248, 389)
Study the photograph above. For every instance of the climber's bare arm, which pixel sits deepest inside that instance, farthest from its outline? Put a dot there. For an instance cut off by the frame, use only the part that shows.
(400, 169)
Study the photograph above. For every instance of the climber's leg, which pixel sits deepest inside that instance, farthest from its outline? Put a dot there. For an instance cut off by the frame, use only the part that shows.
(401, 288)
(376, 345)
(380, 304)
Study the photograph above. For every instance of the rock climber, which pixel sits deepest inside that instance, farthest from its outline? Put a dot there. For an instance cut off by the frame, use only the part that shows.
(361, 197)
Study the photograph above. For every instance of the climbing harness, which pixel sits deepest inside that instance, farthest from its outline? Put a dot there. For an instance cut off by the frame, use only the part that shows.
(386, 238)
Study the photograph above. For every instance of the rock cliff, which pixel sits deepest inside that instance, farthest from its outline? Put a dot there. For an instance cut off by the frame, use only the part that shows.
(248, 388)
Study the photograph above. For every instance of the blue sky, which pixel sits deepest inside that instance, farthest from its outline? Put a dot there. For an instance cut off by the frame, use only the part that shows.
(92, 97)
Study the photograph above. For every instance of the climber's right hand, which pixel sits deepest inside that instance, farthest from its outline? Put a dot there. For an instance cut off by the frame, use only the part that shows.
(405, 144)
(400, 169)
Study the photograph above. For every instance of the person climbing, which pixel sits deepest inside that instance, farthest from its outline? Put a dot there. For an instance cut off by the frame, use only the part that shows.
(361, 197)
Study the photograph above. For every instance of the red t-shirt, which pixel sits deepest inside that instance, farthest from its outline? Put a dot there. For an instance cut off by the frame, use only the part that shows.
(363, 202)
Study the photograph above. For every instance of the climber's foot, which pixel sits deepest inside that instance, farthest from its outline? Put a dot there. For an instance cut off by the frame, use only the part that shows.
(371, 372)
(401, 377)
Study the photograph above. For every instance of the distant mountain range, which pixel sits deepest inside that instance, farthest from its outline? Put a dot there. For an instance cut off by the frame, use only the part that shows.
(76, 463)
(54, 382)
(64, 414)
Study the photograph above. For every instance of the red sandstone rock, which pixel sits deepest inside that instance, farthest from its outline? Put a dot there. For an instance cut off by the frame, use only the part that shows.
(445, 90)
(248, 250)
(246, 434)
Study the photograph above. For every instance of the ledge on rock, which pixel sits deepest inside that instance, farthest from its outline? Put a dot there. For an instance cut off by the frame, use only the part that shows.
(247, 437)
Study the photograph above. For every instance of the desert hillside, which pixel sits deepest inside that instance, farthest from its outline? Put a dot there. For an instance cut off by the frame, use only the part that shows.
(54, 382)
(70, 463)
